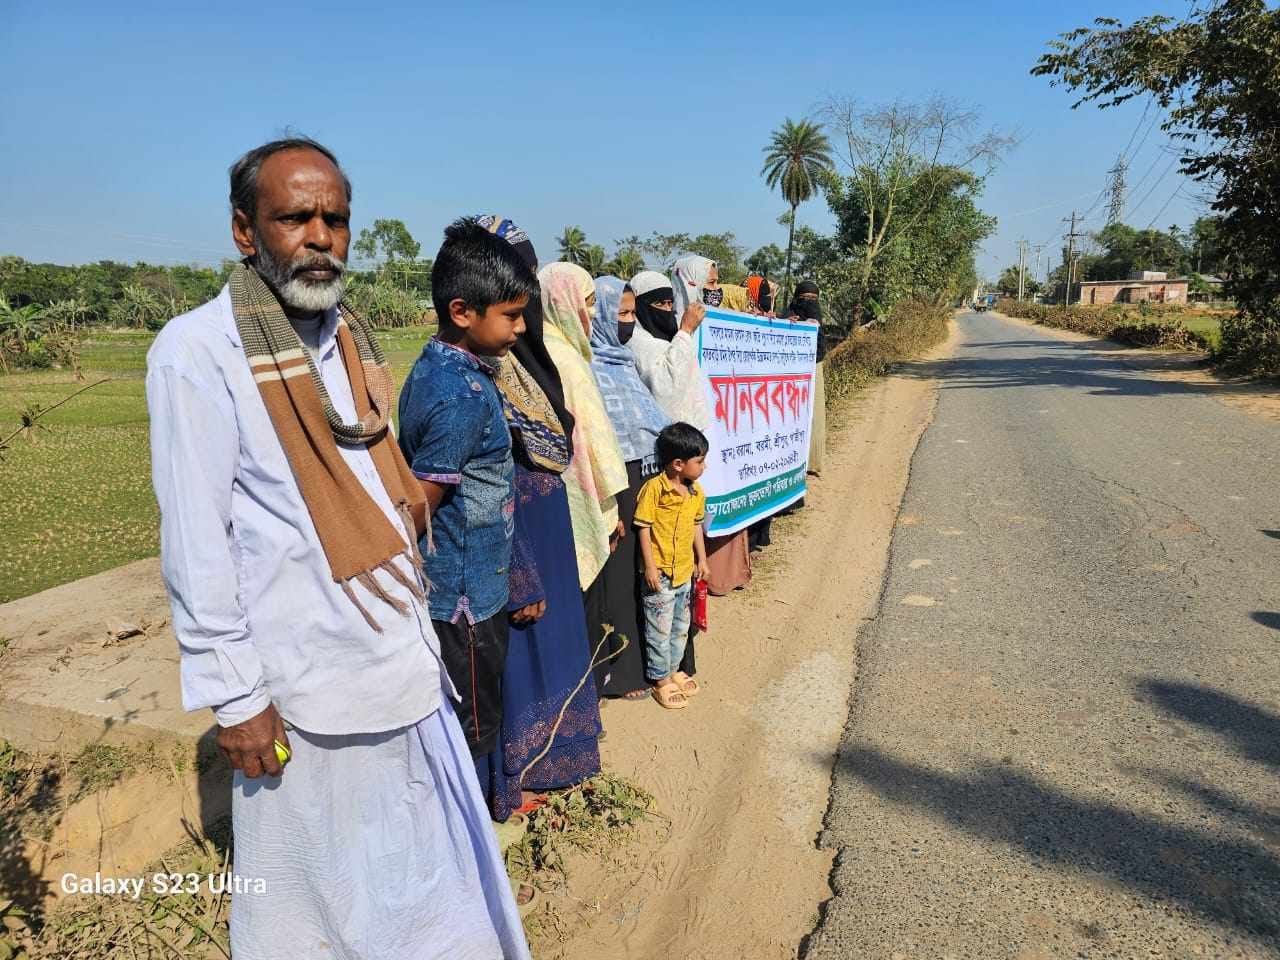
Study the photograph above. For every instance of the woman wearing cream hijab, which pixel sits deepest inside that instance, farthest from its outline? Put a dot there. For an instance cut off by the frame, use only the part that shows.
(597, 473)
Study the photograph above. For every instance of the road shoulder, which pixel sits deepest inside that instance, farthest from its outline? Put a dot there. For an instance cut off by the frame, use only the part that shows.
(744, 774)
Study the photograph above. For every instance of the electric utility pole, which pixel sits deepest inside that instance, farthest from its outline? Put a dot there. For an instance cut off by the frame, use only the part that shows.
(1022, 268)
(1071, 256)
(1115, 208)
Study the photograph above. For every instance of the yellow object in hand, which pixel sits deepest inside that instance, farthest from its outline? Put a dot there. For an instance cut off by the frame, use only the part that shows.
(282, 753)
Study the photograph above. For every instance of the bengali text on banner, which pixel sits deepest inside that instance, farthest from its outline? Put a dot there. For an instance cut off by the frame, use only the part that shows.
(759, 376)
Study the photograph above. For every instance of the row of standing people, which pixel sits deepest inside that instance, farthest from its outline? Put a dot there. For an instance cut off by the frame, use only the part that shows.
(374, 619)
(540, 621)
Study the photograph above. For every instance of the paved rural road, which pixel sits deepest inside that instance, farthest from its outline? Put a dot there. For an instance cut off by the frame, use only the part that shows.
(1065, 734)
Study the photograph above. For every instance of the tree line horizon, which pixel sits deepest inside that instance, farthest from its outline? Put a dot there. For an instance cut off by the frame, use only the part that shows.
(902, 181)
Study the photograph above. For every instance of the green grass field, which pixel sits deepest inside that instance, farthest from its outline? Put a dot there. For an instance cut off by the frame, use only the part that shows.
(77, 495)
(1208, 327)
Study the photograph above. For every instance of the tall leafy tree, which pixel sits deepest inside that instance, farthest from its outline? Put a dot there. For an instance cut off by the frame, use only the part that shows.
(797, 157)
(1214, 74)
(626, 263)
(573, 245)
(665, 247)
(1008, 283)
(932, 261)
(1126, 250)
(387, 240)
(899, 158)
(768, 259)
(1206, 251)
(393, 251)
(594, 260)
(724, 249)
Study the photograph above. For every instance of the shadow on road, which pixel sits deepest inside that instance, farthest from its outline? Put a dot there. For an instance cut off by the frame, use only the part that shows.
(1060, 364)
(1268, 618)
(1105, 346)
(1253, 731)
(1229, 881)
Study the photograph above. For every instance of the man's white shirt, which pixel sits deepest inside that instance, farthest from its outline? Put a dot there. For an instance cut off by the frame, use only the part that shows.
(257, 613)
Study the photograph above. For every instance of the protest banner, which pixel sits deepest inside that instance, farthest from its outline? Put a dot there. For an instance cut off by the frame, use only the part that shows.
(759, 375)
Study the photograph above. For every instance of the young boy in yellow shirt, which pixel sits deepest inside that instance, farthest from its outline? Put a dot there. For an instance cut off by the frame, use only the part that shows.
(669, 513)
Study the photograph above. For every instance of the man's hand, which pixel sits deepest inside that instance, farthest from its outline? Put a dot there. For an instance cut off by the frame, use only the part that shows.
(529, 614)
(694, 314)
(652, 578)
(250, 746)
(704, 570)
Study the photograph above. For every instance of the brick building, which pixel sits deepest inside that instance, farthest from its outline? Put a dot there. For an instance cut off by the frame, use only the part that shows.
(1145, 287)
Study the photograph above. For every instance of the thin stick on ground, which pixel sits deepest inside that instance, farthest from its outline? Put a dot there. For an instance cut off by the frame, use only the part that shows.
(564, 707)
(32, 414)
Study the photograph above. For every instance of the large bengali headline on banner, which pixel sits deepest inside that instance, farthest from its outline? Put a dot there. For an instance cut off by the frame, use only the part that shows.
(759, 375)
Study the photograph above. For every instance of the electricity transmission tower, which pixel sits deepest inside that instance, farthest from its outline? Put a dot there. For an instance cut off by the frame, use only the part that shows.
(1115, 208)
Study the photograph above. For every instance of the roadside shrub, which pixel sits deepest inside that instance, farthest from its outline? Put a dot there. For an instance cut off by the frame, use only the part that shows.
(908, 329)
(1140, 325)
(1251, 342)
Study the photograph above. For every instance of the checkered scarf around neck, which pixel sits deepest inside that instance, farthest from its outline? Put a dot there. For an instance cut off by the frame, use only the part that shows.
(357, 538)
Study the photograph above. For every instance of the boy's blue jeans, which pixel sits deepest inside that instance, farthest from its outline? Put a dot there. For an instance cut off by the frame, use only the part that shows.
(666, 628)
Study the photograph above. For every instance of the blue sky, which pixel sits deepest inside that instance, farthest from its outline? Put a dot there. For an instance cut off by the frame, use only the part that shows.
(120, 119)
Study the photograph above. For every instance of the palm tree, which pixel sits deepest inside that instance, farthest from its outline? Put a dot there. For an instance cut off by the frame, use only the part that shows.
(626, 264)
(594, 260)
(573, 245)
(795, 160)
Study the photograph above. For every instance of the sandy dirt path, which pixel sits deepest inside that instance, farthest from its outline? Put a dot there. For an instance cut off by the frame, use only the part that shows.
(744, 772)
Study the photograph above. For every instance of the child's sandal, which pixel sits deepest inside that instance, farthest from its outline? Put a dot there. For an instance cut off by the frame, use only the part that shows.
(688, 686)
(670, 697)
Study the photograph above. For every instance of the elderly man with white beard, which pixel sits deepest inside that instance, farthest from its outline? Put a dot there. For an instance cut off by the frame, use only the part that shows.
(289, 524)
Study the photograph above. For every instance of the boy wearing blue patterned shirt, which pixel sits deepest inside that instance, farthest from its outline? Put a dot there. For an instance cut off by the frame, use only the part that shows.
(454, 435)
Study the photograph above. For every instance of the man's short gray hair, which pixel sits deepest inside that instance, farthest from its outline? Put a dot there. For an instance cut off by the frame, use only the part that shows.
(244, 172)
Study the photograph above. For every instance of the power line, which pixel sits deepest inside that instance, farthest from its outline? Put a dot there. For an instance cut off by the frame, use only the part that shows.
(1097, 201)
(1150, 170)
(1071, 255)
(1155, 122)
(1166, 205)
(1155, 186)
(91, 230)
(1055, 203)
(1145, 110)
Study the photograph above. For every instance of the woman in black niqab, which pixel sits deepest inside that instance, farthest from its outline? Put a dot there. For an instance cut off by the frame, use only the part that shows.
(650, 288)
